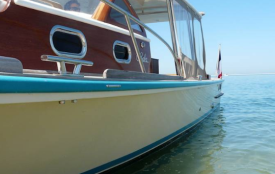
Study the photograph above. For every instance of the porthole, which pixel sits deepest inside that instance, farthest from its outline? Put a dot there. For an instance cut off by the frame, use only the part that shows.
(68, 42)
(122, 52)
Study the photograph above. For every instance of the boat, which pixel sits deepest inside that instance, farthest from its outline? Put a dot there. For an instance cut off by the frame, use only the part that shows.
(80, 91)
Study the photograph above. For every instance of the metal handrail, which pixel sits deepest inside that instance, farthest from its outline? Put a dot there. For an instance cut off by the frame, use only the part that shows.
(135, 43)
(128, 17)
(52, 3)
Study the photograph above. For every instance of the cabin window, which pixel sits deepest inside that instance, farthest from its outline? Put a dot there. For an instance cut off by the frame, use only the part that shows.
(184, 30)
(122, 52)
(86, 8)
(199, 42)
(68, 42)
(119, 18)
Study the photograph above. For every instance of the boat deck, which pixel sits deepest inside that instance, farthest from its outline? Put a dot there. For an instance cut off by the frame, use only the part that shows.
(107, 75)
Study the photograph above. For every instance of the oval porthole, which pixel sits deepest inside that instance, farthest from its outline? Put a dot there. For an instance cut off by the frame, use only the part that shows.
(68, 42)
(122, 52)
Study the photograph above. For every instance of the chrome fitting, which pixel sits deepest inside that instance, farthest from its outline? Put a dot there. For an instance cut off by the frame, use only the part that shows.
(74, 101)
(62, 102)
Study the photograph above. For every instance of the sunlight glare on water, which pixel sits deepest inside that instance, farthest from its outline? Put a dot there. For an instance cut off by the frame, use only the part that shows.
(238, 138)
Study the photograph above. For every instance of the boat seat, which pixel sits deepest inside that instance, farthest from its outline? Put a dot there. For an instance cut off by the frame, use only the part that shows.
(10, 65)
(101, 12)
(121, 74)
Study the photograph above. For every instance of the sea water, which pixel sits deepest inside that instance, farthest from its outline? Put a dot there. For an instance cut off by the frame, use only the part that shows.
(238, 138)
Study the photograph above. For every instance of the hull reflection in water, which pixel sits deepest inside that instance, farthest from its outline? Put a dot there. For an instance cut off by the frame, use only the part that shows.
(193, 152)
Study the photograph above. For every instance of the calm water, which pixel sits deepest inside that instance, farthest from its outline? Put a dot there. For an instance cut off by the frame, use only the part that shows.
(239, 138)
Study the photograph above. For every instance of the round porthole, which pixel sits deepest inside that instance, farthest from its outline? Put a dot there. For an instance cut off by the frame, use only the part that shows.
(68, 42)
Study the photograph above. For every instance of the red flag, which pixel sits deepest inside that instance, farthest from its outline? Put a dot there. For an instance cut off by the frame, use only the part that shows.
(219, 66)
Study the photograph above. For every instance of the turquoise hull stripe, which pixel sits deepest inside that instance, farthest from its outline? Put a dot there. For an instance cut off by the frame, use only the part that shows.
(147, 148)
(16, 84)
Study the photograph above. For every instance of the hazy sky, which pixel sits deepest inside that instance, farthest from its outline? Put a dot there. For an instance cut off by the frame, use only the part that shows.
(244, 28)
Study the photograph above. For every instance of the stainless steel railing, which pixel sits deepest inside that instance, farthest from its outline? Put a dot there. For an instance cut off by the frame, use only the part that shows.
(128, 18)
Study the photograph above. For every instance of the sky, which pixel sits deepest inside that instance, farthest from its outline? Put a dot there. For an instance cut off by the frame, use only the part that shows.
(244, 28)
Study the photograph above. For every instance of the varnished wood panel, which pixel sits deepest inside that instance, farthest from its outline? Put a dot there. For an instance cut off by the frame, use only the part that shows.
(25, 34)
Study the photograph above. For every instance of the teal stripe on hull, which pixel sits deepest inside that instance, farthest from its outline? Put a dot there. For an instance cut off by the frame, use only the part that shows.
(15, 84)
(147, 148)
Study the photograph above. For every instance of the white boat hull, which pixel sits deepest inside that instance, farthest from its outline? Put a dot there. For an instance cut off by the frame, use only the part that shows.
(96, 134)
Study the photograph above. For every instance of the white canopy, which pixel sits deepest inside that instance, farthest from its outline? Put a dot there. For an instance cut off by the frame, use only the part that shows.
(151, 11)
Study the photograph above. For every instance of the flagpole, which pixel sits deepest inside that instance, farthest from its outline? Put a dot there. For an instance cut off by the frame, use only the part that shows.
(220, 60)
(217, 65)
(218, 68)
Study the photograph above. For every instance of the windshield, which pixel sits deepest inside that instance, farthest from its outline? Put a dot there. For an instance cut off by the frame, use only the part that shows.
(83, 6)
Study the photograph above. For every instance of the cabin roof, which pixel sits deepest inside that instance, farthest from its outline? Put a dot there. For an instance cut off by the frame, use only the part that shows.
(152, 11)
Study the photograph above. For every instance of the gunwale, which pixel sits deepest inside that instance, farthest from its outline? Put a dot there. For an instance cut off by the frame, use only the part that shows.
(21, 84)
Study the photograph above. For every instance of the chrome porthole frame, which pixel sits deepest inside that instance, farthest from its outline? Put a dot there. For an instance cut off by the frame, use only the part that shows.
(71, 31)
(123, 44)
(4, 5)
